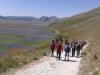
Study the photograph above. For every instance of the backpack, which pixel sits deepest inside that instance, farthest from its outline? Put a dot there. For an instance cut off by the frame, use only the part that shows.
(78, 46)
(73, 45)
(67, 48)
(52, 46)
(59, 46)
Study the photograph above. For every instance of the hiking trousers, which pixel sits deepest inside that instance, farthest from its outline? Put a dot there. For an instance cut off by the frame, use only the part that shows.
(78, 52)
(58, 54)
(73, 52)
(52, 51)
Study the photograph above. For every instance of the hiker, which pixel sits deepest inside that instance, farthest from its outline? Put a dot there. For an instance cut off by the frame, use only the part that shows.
(78, 47)
(52, 47)
(59, 48)
(66, 41)
(82, 44)
(67, 50)
(73, 46)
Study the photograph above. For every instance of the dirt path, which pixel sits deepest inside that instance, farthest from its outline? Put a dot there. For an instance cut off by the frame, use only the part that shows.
(53, 67)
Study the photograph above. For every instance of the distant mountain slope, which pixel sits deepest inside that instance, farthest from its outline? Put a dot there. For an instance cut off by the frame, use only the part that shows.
(84, 26)
(21, 18)
(43, 19)
(79, 22)
(1, 17)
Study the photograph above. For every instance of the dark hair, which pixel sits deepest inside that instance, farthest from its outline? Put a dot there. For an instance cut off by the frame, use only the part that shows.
(52, 41)
(67, 43)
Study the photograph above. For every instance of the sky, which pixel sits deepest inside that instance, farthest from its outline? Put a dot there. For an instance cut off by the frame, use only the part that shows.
(38, 8)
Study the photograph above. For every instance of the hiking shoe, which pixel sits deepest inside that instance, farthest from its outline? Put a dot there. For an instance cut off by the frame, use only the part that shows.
(56, 58)
(64, 59)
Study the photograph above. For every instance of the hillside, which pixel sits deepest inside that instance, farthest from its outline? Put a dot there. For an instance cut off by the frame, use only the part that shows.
(84, 26)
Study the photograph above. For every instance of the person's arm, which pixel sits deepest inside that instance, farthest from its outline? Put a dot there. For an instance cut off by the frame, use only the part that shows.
(62, 47)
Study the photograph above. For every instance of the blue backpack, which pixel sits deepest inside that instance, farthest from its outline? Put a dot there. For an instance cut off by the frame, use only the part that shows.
(67, 48)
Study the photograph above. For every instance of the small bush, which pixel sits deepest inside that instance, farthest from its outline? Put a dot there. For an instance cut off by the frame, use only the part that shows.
(25, 62)
(58, 38)
(35, 58)
(44, 54)
(83, 53)
(96, 73)
(95, 56)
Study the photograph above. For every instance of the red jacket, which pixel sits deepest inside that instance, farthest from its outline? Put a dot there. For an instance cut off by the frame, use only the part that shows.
(61, 47)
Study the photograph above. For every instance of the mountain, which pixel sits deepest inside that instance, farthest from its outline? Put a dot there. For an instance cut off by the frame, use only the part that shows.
(84, 26)
(43, 19)
(21, 18)
(1, 17)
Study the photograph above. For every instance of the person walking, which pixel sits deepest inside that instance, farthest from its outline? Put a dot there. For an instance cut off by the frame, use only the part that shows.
(52, 47)
(78, 47)
(59, 48)
(67, 50)
(73, 46)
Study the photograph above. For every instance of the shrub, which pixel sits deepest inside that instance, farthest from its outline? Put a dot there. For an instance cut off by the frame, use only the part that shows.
(35, 58)
(95, 56)
(58, 37)
(83, 53)
(96, 73)
(44, 54)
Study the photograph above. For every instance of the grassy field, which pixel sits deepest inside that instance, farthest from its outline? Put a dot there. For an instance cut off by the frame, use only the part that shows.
(22, 33)
(13, 35)
(5, 48)
(20, 25)
(26, 34)
(84, 26)
(35, 43)
(17, 60)
(8, 39)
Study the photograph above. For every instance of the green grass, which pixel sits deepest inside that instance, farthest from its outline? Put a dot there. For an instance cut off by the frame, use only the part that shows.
(34, 43)
(5, 48)
(13, 35)
(8, 41)
(9, 38)
(77, 20)
(20, 59)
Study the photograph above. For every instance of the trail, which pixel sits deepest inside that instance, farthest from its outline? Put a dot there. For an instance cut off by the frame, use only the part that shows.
(53, 66)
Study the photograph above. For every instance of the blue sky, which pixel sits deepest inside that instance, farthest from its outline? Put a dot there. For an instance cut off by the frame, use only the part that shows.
(38, 8)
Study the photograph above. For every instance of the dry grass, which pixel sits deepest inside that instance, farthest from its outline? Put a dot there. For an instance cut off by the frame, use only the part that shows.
(20, 59)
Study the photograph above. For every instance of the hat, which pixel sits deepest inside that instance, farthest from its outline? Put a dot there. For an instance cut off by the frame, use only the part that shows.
(59, 41)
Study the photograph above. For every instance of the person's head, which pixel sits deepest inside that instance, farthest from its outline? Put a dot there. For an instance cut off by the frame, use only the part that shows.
(67, 43)
(73, 41)
(78, 42)
(59, 42)
(52, 41)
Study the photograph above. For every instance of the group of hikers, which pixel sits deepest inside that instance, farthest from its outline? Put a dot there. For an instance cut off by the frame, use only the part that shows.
(74, 46)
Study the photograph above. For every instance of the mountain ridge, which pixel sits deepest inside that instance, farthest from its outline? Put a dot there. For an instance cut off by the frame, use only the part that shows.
(43, 19)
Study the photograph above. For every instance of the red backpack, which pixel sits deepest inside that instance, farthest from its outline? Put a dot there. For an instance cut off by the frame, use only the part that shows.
(52, 45)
